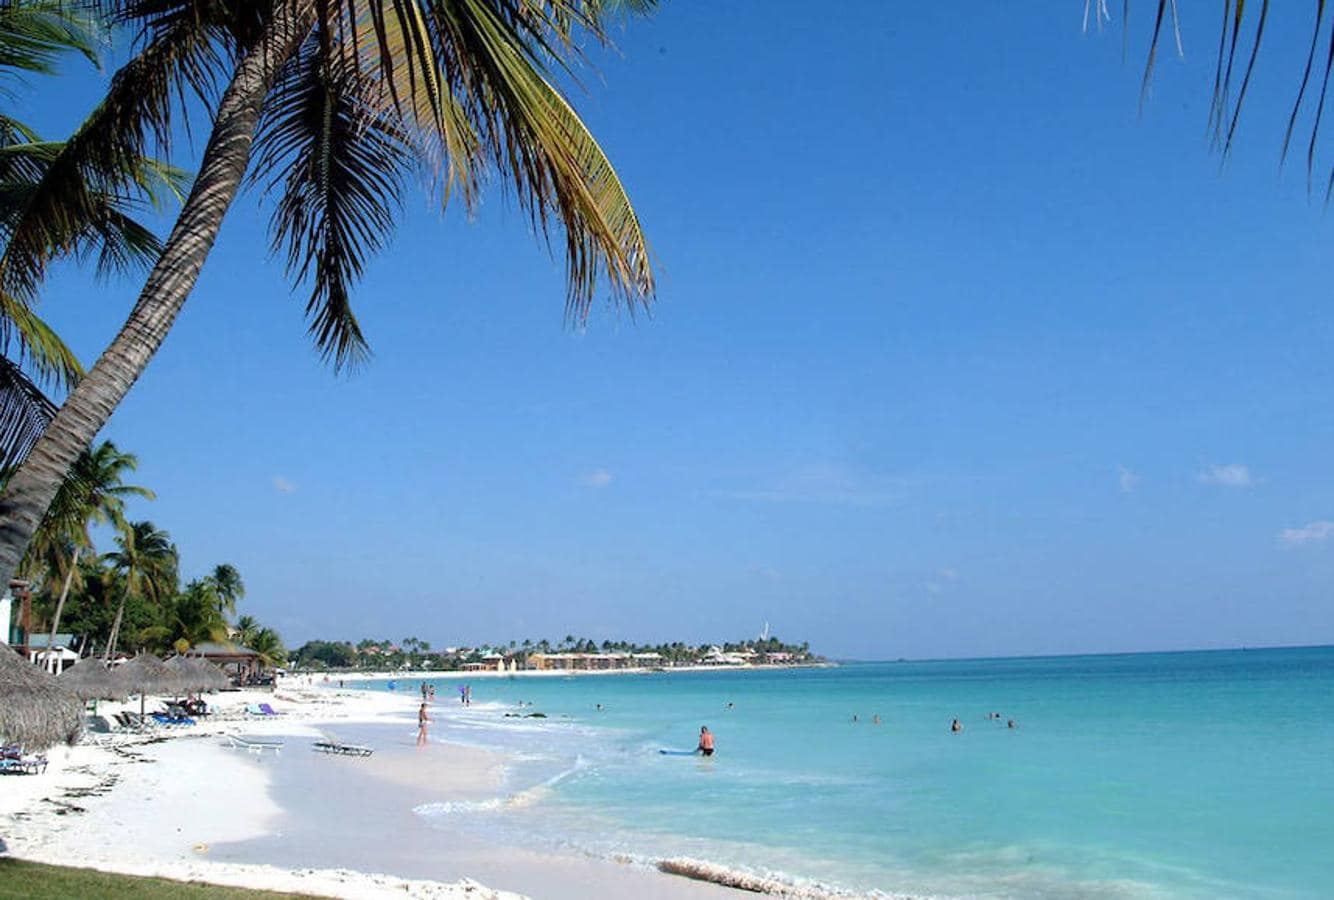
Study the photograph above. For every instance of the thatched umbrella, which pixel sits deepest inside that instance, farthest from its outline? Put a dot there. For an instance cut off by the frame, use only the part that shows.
(214, 678)
(35, 710)
(196, 674)
(146, 674)
(90, 679)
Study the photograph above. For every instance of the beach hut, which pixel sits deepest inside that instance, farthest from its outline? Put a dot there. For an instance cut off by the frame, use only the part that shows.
(240, 664)
(146, 674)
(90, 679)
(35, 709)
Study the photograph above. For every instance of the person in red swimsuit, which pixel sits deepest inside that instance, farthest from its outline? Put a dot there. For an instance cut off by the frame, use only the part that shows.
(705, 741)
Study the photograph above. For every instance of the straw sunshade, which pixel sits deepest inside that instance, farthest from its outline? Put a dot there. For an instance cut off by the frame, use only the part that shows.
(146, 674)
(196, 674)
(35, 710)
(90, 679)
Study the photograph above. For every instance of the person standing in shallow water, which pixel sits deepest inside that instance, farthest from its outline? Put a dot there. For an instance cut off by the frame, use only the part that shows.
(956, 726)
(705, 741)
(423, 720)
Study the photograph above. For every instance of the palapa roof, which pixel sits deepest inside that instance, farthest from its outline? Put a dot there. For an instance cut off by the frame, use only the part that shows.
(92, 680)
(211, 648)
(146, 674)
(35, 709)
(197, 674)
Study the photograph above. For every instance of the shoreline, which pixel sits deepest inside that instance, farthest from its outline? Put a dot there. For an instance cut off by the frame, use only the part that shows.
(183, 806)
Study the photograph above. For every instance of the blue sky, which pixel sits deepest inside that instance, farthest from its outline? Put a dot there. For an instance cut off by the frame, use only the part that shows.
(955, 353)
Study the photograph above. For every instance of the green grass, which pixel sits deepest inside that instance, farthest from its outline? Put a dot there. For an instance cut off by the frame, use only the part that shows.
(23, 880)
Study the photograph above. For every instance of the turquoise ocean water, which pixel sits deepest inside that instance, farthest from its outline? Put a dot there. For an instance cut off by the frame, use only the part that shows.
(1206, 774)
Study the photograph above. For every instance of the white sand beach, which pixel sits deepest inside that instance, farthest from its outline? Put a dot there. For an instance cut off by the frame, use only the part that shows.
(183, 804)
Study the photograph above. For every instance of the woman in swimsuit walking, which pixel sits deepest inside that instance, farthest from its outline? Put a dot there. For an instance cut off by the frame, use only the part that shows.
(422, 720)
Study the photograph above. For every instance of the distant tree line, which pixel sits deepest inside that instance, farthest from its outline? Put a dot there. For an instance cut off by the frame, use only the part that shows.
(412, 653)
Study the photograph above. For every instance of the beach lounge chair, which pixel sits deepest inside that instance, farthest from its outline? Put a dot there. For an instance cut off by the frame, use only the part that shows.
(13, 761)
(269, 710)
(254, 746)
(164, 719)
(338, 748)
(257, 709)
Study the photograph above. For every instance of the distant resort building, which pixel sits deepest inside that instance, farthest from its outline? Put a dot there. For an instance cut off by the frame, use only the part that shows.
(593, 662)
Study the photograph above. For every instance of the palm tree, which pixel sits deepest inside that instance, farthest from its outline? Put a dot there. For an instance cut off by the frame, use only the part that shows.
(94, 491)
(340, 100)
(247, 627)
(269, 647)
(227, 587)
(147, 561)
(189, 618)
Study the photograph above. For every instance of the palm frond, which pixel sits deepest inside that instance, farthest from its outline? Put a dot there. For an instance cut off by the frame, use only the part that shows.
(338, 164)
(108, 155)
(1306, 78)
(533, 135)
(35, 33)
(1234, 54)
(24, 414)
(38, 346)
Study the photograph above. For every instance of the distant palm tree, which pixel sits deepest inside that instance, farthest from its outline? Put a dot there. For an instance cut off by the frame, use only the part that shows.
(247, 627)
(227, 586)
(190, 618)
(269, 647)
(340, 100)
(93, 492)
(147, 561)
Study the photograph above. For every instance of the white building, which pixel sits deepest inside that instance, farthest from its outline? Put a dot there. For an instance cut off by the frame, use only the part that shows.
(6, 615)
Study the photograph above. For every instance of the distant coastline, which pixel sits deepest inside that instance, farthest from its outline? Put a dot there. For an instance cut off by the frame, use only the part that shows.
(443, 674)
(570, 654)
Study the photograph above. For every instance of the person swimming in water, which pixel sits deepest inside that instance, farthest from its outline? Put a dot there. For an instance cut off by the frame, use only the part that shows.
(705, 747)
(956, 726)
(1011, 724)
(875, 719)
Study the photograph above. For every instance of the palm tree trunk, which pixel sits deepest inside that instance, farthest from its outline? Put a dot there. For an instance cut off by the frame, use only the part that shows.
(226, 156)
(115, 629)
(60, 605)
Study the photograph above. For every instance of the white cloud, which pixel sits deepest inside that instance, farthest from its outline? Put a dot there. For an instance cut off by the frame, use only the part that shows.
(283, 485)
(1309, 533)
(598, 478)
(942, 579)
(824, 483)
(1127, 480)
(1233, 476)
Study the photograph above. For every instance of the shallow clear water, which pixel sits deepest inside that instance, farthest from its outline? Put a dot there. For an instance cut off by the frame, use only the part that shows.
(1184, 774)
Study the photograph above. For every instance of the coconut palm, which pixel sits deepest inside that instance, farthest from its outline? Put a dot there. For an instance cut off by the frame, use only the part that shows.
(340, 101)
(147, 562)
(190, 618)
(93, 492)
(269, 647)
(227, 587)
(245, 630)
